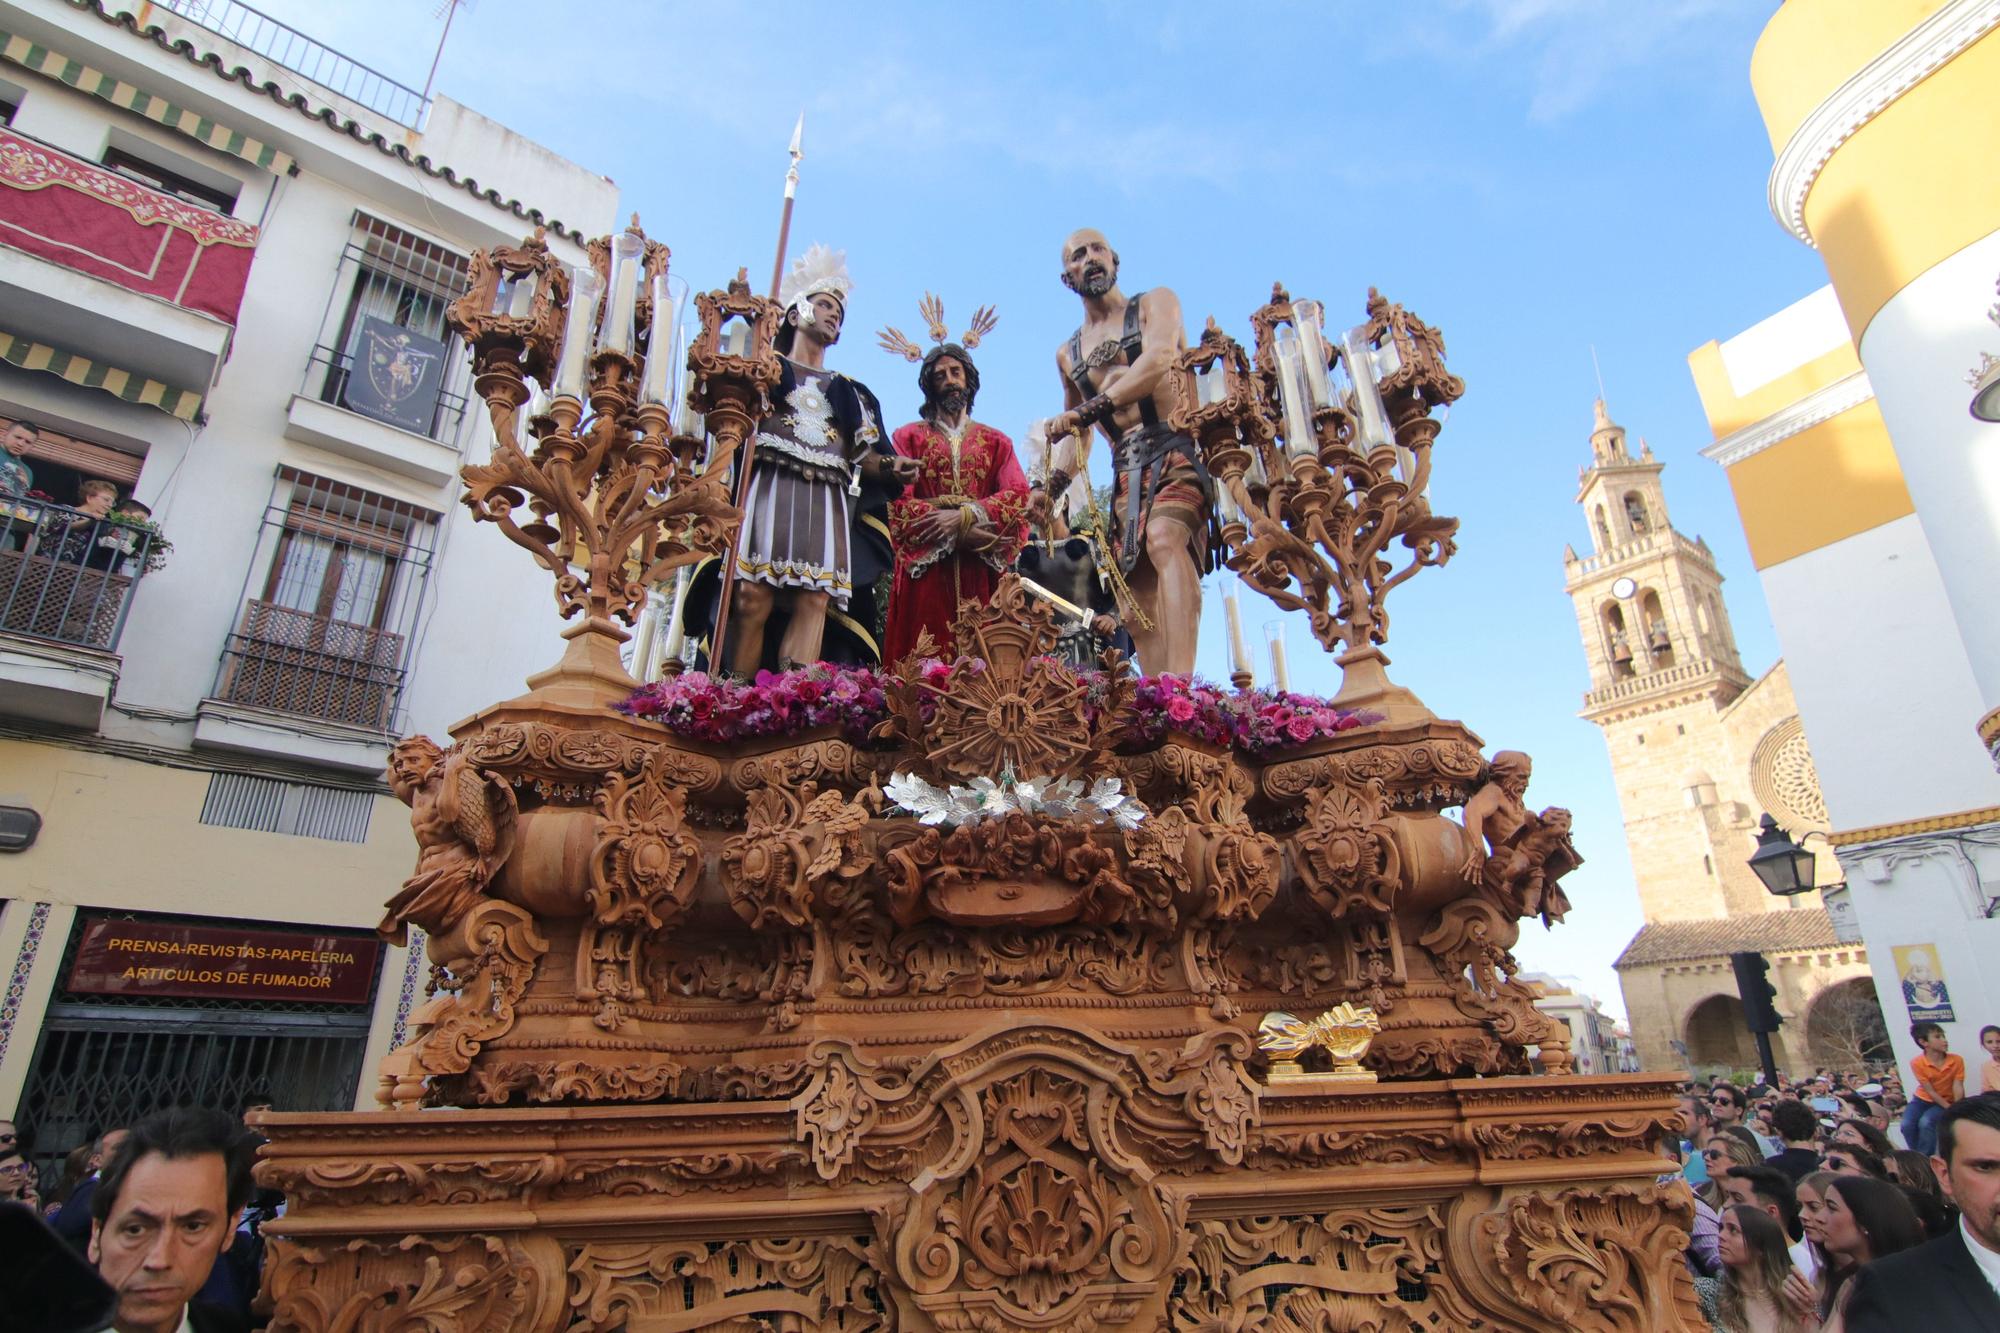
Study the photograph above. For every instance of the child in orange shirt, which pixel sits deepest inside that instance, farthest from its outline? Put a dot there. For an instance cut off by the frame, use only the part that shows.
(1940, 1081)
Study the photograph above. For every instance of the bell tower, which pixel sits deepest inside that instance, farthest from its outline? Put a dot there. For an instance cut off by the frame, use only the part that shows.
(1663, 673)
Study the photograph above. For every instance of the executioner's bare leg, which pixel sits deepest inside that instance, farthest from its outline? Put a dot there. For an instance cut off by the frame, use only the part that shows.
(1168, 587)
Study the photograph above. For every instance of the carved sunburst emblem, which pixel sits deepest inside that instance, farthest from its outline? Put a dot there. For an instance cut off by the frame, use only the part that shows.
(1011, 707)
(1031, 723)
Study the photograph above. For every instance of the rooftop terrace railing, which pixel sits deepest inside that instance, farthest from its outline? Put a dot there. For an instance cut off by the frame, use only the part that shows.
(257, 31)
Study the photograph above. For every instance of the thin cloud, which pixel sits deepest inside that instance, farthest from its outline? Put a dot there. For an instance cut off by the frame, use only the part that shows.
(1574, 51)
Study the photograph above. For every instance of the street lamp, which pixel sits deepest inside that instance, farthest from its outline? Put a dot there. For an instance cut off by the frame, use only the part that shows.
(1785, 867)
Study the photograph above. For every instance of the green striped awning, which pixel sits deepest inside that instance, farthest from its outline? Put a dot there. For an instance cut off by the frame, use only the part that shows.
(34, 56)
(29, 355)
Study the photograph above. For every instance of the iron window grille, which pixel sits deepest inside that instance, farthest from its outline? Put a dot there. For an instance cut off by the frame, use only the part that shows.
(330, 603)
(388, 274)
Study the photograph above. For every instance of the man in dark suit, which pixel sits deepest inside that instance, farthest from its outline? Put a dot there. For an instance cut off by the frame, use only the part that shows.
(1953, 1283)
(72, 1220)
(164, 1210)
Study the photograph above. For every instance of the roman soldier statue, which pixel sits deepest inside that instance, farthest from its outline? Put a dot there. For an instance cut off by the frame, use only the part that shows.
(1114, 372)
(808, 558)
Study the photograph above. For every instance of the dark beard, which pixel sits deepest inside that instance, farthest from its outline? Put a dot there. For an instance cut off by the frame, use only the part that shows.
(952, 404)
(1096, 281)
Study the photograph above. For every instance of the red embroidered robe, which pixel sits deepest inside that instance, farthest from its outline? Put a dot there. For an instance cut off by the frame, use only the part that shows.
(932, 577)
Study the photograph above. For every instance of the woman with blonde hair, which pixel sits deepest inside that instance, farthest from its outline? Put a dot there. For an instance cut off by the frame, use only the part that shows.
(1724, 1151)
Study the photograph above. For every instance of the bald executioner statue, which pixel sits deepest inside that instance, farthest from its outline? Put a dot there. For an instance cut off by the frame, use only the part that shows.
(1114, 373)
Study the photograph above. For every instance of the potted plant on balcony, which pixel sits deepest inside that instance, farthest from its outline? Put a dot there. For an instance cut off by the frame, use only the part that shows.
(137, 531)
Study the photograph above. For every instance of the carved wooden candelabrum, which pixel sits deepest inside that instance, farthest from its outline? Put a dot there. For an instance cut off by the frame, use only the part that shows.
(1321, 452)
(600, 472)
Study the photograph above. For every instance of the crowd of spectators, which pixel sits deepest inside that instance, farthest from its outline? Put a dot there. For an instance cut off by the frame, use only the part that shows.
(1832, 1205)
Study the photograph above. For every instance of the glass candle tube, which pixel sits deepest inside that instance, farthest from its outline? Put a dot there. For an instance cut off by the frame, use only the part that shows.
(574, 367)
(1360, 360)
(1306, 316)
(1292, 393)
(1274, 636)
(660, 344)
(622, 306)
(1232, 610)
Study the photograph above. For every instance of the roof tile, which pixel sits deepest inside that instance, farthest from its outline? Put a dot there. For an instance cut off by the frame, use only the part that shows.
(1765, 932)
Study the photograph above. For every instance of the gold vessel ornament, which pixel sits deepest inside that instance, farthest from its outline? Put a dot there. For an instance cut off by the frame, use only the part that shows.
(1343, 1032)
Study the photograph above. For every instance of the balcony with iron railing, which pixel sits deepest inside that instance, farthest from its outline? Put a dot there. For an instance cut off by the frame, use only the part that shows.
(67, 579)
(258, 32)
(312, 666)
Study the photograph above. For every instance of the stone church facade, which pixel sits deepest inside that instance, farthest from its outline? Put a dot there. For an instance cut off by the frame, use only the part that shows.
(1700, 752)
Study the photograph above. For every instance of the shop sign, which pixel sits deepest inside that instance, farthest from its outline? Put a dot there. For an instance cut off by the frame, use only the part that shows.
(157, 958)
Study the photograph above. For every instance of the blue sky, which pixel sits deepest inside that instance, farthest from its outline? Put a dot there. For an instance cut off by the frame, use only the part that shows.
(1533, 177)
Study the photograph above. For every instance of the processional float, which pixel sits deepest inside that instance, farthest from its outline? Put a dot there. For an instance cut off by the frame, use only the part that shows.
(954, 1022)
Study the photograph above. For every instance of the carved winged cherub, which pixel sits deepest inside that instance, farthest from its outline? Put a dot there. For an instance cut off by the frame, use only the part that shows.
(1513, 853)
(465, 824)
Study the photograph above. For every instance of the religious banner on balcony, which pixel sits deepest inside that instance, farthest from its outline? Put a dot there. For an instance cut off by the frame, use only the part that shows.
(76, 214)
(167, 959)
(394, 375)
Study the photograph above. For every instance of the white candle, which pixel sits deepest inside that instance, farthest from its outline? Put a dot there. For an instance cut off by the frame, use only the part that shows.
(574, 367)
(1274, 634)
(658, 383)
(1239, 654)
(735, 336)
(1312, 349)
(676, 630)
(521, 296)
(621, 310)
(1292, 394)
(1367, 390)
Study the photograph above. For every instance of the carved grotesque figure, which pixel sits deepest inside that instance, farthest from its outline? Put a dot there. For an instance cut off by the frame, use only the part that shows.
(465, 824)
(1514, 854)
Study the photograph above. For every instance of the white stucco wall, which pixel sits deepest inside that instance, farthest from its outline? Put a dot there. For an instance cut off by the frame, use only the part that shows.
(1918, 351)
(1885, 693)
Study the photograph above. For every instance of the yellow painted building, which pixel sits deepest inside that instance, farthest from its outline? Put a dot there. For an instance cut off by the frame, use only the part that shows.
(1869, 492)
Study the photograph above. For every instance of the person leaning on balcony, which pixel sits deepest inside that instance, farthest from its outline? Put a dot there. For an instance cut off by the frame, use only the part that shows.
(16, 478)
(82, 544)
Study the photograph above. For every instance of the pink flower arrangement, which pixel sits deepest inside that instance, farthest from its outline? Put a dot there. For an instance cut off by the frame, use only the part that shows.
(1255, 722)
(704, 708)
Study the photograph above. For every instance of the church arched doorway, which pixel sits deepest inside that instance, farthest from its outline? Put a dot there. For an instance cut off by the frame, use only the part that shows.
(1845, 1026)
(1717, 1039)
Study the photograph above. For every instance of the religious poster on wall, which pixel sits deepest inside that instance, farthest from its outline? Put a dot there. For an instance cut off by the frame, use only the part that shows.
(394, 375)
(1924, 990)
